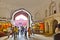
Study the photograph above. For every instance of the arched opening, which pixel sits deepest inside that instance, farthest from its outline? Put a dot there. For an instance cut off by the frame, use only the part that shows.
(21, 17)
(21, 20)
(55, 22)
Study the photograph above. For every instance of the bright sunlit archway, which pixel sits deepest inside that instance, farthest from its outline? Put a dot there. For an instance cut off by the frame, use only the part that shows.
(21, 20)
(21, 17)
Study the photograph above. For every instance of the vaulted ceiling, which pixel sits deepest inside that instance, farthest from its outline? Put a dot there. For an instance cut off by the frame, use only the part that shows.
(35, 7)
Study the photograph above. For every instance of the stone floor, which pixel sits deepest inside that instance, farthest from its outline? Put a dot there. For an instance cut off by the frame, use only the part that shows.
(33, 37)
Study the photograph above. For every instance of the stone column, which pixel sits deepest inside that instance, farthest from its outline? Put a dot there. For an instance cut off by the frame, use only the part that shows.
(50, 26)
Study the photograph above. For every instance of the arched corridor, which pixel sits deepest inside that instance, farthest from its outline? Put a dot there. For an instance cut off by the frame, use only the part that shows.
(22, 18)
(29, 19)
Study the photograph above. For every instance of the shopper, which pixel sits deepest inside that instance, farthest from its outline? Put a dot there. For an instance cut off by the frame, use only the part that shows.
(25, 32)
(9, 31)
(57, 31)
(15, 31)
(12, 31)
(29, 32)
(22, 30)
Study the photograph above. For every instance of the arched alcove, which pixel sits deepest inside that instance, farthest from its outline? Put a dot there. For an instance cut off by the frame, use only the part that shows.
(47, 26)
(55, 23)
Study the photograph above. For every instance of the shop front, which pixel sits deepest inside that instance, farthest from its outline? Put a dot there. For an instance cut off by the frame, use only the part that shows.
(51, 23)
(42, 27)
(38, 28)
(3, 27)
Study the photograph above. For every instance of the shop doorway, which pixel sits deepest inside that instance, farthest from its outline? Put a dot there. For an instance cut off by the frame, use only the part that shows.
(55, 23)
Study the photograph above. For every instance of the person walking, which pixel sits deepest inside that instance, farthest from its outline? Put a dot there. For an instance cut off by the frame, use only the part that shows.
(25, 32)
(12, 31)
(57, 31)
(9, 31)
(15, 31)
(22, 30)
(29, 32)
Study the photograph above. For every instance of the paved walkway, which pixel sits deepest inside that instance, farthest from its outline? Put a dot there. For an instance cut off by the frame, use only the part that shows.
(42, 37)
(34, 37)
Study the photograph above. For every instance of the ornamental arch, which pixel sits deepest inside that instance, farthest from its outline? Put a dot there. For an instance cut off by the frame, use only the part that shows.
(24, 12)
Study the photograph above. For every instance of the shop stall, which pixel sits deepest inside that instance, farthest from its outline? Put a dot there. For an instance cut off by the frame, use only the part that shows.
(3, 27)
(38, 28)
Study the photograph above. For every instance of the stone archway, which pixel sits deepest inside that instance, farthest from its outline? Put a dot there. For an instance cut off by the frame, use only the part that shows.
(55, 22)
(26, 13)
(47, 25)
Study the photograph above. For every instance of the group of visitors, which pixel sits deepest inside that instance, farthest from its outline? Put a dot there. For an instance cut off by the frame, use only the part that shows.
(25, 30)
(14, 31)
